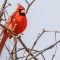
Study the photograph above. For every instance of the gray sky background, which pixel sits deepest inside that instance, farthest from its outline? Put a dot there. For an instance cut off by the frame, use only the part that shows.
(43, 14)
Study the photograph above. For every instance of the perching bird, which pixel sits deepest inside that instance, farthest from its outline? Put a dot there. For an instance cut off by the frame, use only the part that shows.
(16, 22)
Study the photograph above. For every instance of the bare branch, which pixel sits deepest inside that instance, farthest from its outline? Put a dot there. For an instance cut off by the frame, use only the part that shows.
(50, 47)
(8, 5)
(3, 6)
(19, 39)
(21, 57)
(7, 49)
(43, 56)
(29, 4)
(7, 29)
(52, 31)
(14, 49)
(2, 9)
(56, 47)
(39, 35)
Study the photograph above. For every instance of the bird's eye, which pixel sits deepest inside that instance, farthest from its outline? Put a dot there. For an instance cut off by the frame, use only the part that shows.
(22, 12)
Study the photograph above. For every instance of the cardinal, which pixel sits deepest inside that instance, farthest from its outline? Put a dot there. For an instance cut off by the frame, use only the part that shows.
(17, 22)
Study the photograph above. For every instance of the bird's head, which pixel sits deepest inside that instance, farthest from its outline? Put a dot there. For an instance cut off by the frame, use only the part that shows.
(21, 10)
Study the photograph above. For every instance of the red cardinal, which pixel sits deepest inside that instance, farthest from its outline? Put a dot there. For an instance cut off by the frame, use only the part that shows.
(16, 22)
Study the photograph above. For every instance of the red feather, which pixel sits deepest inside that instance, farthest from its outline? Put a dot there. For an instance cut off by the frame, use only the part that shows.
(16, 22)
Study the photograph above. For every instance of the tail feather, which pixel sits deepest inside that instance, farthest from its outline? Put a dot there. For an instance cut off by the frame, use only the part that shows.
(2, 43)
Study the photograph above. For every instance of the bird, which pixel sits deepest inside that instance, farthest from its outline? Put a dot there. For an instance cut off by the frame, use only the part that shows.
(17, 22)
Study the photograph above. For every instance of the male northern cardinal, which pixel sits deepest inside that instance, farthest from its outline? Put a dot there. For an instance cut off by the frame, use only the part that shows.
(16, 22)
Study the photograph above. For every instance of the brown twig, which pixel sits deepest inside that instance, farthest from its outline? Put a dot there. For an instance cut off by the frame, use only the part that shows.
(21, 57)
(2, 9)
(7, 29)
(39, 35)
(7, 49)
(3, 6)
(40, 52)
(29, 5)
(55, 49)
(19, 39)
(27, 2)
(14, 49)
(14, 53)
(28, 48)
(50, 47)
(8, 5)
(43, 56)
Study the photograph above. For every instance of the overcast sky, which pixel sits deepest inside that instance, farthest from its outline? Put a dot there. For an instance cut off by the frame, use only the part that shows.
(43, 14)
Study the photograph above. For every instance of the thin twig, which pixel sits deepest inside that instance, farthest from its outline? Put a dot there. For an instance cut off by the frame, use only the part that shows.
(29, 4)
(52, 31)
(28, 48)
(43, 56)
(19, 39)
(21, 57)
(15, 48)
(55, 49)
(3, 6)
(7, 29)
(39, 35)
(8, 5)
(20, 49)
(2, 9)
(23, 54)
(7, 49)
(40, 52)
(50, 47)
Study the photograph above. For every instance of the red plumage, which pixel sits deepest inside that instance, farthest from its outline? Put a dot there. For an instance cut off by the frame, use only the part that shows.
(16, 22)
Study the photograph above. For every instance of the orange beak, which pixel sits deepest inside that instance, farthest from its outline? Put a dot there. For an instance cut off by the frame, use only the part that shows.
(23, 11)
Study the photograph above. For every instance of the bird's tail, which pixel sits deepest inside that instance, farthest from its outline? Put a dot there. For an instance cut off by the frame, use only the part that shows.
(2, 43)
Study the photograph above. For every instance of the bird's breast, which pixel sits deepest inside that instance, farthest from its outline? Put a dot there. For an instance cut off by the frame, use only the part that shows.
(20, 25)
